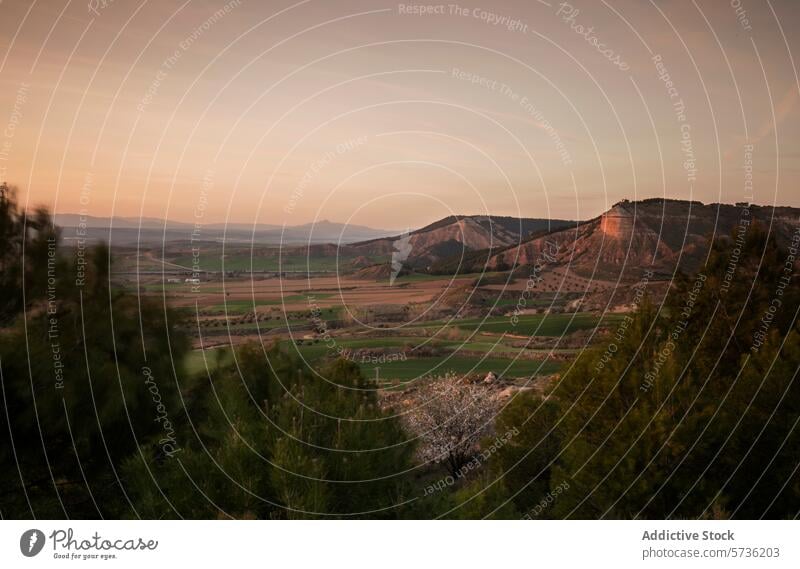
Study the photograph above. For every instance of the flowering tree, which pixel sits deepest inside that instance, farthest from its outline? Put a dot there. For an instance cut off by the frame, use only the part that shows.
(450, 417)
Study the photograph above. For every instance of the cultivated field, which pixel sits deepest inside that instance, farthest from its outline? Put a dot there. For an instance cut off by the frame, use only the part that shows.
(416, 326)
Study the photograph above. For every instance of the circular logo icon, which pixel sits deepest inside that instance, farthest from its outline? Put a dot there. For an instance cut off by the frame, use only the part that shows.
(31, 542)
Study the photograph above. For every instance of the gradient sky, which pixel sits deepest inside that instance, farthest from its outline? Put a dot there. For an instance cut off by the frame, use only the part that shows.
(355, 111)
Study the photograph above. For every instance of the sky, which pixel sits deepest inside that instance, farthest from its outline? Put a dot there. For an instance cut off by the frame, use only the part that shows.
(393, 115)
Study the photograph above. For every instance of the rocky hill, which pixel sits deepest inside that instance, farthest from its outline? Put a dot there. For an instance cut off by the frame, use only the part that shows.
(455, 236)
(656, 234)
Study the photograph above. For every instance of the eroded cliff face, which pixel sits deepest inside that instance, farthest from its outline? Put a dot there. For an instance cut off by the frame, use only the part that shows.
(662, 235)
(617, 223)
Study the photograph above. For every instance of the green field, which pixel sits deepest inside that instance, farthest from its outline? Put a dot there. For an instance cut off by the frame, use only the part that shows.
(416, 367)
(246, 305)
(212, 261)
(498, 357)
(270, 325)
(501, 349)
(527, 325)
(410, 368)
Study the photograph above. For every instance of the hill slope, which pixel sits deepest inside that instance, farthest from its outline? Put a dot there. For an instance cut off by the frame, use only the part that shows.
(456, 236)
(658, 234)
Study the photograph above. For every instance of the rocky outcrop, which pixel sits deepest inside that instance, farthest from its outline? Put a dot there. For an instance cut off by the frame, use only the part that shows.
(631, 237)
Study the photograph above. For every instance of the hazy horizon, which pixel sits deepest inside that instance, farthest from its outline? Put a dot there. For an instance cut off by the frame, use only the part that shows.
(421, 225)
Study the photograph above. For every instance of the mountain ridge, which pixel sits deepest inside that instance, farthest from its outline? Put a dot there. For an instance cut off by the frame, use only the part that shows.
(663, 234)
(467, 233)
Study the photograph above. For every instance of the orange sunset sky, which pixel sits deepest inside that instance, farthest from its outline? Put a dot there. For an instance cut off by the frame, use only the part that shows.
(395, 114)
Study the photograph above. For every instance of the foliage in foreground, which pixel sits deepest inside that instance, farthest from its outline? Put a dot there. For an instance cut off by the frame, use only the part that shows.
(687, 411)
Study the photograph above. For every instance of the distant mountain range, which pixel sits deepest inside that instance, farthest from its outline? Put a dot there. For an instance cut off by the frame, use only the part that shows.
(128, 231)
